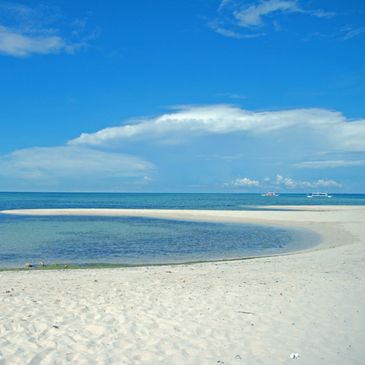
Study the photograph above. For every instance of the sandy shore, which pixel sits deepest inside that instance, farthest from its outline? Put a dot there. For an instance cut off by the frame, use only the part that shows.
(242, 312)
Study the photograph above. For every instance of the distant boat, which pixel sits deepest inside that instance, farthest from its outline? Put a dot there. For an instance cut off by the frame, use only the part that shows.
(270, 193)
(319, 195)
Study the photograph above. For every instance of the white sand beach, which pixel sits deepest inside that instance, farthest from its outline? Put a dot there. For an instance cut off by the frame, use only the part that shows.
(257, 311)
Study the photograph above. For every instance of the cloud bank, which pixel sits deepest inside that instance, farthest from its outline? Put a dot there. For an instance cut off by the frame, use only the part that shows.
(55, 165)
(281, 182)
(330, 164)
(245, 182)
(201, 146)
(330, 128)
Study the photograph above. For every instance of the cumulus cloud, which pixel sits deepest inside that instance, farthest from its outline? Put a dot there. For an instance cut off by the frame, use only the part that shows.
(55, 164)
(245, 182)
(282, 182)
(289, 183)
(331, 128)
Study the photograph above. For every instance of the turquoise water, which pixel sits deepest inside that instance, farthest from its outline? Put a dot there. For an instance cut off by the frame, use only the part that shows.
(166, 201)
(130, 240)
(125, 240)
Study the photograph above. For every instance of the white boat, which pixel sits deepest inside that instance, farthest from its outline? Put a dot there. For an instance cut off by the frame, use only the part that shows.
(270, 193)
(319, 195)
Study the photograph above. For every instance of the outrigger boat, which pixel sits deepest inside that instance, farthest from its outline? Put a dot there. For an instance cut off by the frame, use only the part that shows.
(319, 195)
(270, 193)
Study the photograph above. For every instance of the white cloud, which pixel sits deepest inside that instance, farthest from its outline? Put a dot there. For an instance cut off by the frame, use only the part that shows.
(40, 29)
(320, 13)
(282, 182)
(330, 128)
(289, 183)
(349, 33)
(234, 15)
(326, 183)
(59, 163)
(230, 33)
(14, 43)
(252, 16)
(224, 3)
(245, 182)
(329, 164)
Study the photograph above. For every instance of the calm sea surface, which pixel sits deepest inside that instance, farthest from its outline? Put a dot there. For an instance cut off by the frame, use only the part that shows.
(167, 201)
(127, 240)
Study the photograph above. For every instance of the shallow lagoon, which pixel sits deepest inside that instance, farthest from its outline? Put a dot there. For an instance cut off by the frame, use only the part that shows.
(137, 241)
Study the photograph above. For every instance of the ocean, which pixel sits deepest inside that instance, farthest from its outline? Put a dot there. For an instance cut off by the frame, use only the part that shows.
(140, 241)
(166, 200)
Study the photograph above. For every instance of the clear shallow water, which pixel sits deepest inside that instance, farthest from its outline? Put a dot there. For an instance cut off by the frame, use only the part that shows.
(140, 240)
(123, 240)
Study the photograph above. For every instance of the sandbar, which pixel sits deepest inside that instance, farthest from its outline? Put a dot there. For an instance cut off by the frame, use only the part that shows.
(260, 311)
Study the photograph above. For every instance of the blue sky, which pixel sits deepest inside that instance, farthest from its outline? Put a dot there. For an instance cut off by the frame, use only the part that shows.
(171, 96)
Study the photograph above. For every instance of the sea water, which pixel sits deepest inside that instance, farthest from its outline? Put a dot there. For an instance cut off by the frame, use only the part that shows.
(166, 201)
(130, 240)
